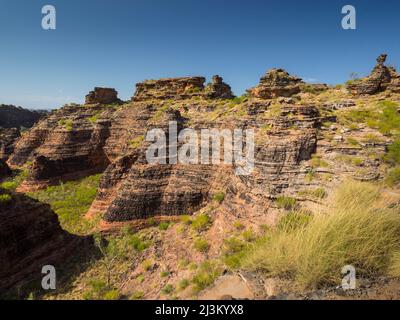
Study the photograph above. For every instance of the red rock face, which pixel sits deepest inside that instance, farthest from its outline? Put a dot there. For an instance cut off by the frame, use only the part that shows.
(30, 238)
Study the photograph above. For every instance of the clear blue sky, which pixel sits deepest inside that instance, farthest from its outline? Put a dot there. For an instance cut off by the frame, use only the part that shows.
(118, 43)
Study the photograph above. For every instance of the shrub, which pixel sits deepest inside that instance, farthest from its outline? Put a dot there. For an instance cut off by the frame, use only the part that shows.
(201, 222)
(186, 219)
(5, 198)
(163, 226)
(238, 225)
(206, 275)
(393, 154)
(15, 182)
(168, 289)
(147, 265)
(317, 162)
(219, 197)
(165, 274)
(201, 245)
(355, 228)
(352, 142)
(151, 222)
(183, 284)
(287, 203)
(137, 142)
(136, 295)
(392, 178)
(99, 290)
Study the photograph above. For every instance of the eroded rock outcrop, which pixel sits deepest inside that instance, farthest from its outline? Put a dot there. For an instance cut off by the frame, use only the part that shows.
(382, 78)
(169, 88)
(102, 96)
(67, 144)
(30, 238)
(218, 89)
(276, 83)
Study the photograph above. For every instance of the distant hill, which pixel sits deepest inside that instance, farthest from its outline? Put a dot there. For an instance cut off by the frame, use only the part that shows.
(17, 117)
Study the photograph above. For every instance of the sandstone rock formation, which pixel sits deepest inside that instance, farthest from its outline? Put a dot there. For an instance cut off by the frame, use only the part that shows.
(8, 139)
(381, 78)
(68, 143)
(276, 83)
(218, 89)
(30, 238)
(169, 88)
(102, 96)
(17, 117)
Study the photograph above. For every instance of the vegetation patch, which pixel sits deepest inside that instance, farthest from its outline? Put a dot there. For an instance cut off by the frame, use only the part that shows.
(70, 201)
(357, 228)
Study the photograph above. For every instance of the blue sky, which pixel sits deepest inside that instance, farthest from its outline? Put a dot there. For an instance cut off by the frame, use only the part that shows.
(119, 43)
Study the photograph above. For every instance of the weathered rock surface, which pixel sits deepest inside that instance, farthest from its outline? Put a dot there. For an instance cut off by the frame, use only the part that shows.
(8, 139)
(382, 78)
(30, 238)
(17, 117)
(102, 96)
(276, 83)
(169, 88)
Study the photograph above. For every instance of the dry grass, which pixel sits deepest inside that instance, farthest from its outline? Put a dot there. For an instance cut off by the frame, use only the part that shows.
(357, 228)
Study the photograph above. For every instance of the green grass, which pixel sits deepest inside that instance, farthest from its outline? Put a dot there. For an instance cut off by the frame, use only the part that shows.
(68, 124)
(393, 154)
(219, 197)
(70, 201)
(13, 183)
(207, 273)
(136, 295)
(168, 289)
(183, 284)
(99, 290)
(356, 228)
(287, 203)
(392, 178)
(163, 226)
(137, 142)
(394, 268)
(201, 222)
(5, 198)
(383, 116)
(201, 245)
